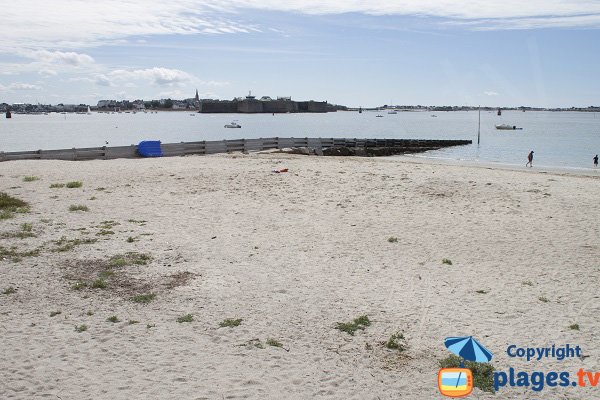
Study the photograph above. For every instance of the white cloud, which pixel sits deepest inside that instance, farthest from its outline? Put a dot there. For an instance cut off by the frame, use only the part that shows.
(59, 57)
(22, 86)
(157, 76)
(77, 23)
(47, 72)
(490, 93)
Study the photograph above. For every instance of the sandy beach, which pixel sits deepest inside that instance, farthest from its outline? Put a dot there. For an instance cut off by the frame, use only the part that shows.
(291, 255)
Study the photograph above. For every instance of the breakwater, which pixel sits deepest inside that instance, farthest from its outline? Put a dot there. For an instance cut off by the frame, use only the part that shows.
(371, 147)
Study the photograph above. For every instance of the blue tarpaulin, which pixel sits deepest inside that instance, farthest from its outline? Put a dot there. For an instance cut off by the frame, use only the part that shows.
(149, 148)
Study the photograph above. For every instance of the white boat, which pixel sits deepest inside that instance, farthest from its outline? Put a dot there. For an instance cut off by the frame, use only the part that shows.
(507, 127)
(393, 112)
(233, 124)
(379, 116)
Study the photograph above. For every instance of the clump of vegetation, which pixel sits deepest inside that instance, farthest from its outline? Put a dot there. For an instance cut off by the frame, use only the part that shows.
(528, 283)
(254, 343)
(89, 313)
(74, 184)
(446, 261)
(393, 239)
(574, 327)
(133, 321)
(396, 342)
(143, 298)
(130, 239)
(185, 318)
(482, 291)
(108, 224)
(230, 323)
(15, 255)
(104, 232)
(100, 189)
(483, 373)
(99, 284)
(30, 178)
(274, 342)
(135, 221)
(57, 185)
(114, 319)
(55, 313)
(78, 207)
(129, 258)
(79, 285)
(81, 328)
(10, 205)
(25, 232)
(64, 244)
(9, 290)
(351, 327)
(543, 299)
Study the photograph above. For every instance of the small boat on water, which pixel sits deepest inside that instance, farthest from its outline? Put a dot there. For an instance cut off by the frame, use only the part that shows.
(393, 112)
(233, 124)
(8, 114)
(433, 116)
(507, 127)
(379, 116)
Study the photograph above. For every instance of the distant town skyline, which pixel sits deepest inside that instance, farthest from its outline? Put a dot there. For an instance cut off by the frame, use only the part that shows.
(353, 53)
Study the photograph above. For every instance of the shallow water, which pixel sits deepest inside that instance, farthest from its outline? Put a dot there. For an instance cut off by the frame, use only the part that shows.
(559, 139)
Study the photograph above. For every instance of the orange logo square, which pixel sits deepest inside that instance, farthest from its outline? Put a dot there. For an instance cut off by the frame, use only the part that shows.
(455, 382)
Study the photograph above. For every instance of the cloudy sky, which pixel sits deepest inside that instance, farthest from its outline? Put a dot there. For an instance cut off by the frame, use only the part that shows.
(351, 52)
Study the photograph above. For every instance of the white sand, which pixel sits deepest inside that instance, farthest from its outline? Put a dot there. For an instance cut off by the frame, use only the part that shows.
(294, 254)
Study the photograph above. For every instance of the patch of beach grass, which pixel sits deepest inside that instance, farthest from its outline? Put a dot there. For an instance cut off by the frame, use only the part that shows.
(57, 185)
(273, 342)
(55, 313)
(185, 318)
(230, 323)
(396, 342)
(527, 283)
(393, 239)
(64, 244)
(133, 322)
(100, 189)
(74, 184)
(574, 327)
(30, 178)
(143, 298)
(482, 291)
(104, 232)
(10, 205)
(81, 328)
(130, 239)
(9, 290)
(446, 261)
(79, 285)
(350, 328)
(15, 255)
(543, 299)
(129, 258)
(99, 283)
(114, 319)
(89, 313)
(483, 373)
(78, 207)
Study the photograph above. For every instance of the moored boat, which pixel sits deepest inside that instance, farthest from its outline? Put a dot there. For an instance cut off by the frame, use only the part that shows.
(233, 124)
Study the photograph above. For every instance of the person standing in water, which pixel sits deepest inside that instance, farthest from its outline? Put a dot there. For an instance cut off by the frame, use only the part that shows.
(530, 159)
(596, 160)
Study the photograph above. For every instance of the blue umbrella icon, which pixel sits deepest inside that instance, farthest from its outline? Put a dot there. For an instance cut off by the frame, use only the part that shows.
(467, 348)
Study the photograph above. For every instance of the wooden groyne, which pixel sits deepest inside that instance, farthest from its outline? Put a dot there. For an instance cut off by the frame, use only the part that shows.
(394, 146)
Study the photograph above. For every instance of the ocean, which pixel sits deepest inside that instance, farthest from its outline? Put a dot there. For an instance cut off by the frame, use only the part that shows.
(559, 139)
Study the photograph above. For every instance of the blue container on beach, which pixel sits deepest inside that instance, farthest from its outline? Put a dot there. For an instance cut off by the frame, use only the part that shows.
(149, 148)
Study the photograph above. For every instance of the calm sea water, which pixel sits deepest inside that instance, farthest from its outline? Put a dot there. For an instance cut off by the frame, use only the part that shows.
(559, 139)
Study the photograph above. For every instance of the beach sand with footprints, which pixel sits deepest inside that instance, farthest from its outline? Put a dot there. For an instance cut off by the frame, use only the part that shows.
(215, 278)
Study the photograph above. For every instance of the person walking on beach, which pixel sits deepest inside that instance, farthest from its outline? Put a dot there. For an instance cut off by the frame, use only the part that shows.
(596, 160)
(530, 159)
